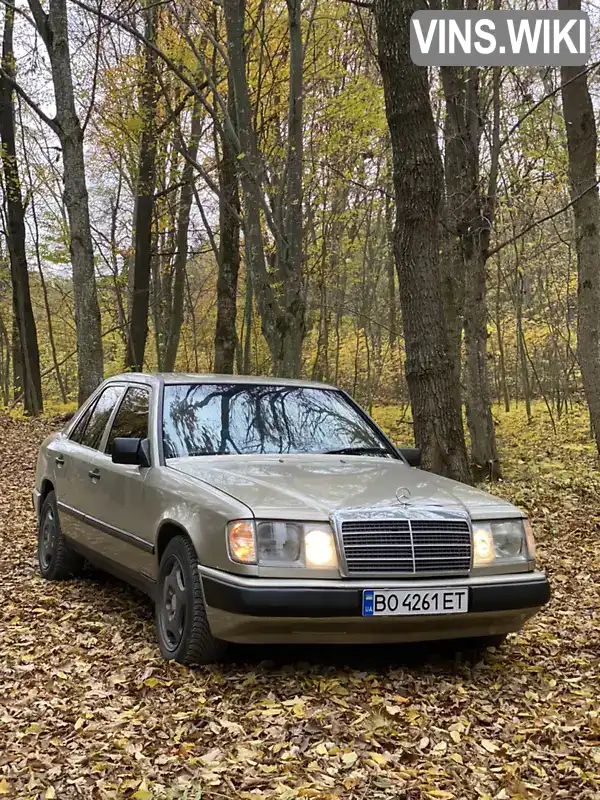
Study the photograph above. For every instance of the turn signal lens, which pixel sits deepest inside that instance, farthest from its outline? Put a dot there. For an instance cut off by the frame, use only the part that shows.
(319, 549)
(242, 541)
(529, 537)
(483, 547)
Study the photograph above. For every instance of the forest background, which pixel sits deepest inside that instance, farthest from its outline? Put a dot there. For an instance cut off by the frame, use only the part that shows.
(274, 188)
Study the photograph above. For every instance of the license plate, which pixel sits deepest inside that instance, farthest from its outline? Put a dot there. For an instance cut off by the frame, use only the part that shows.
(394, 602)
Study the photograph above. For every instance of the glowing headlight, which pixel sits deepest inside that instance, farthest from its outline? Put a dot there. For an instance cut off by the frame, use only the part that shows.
(319, 549)
(500, 541)
(483, 546)
(281, 543)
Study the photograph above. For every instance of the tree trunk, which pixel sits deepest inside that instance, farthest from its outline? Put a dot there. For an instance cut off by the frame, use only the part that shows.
(484, 457)
(15, 213)
(294, 306)
(229, 253)
(484, 452)
(181, 244)
(458, 200)
(249, 165)
(469, 215)
(144, 203)
(582, 142)
(280, 303)
(54, 30)
(390, 265)
(418, 188)
(500, 335)
(5, 359)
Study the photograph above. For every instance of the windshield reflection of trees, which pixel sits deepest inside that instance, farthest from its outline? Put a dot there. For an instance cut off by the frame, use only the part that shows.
(207, 419)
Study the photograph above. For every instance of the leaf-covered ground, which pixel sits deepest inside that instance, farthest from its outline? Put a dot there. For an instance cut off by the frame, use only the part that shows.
(89, 710)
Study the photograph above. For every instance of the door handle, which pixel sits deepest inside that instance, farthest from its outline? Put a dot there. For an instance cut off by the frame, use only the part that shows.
(94, 474)
(59, 460)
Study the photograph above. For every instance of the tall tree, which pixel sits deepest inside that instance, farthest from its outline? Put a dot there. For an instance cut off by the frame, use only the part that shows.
(139, 276)
(177, 281)
(278, 292)
(229, 253)
(582, 145)
(53, 29)
(418, 183)
(469, 219)
(29, 361)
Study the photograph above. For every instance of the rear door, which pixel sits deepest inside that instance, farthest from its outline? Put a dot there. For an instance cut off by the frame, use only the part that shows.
(118, 503)
(74, 464)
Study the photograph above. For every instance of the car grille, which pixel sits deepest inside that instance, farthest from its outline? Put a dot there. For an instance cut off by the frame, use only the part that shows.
(407, 546)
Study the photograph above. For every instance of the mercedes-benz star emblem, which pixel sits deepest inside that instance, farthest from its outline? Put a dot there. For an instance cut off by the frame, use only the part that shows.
(403, 495)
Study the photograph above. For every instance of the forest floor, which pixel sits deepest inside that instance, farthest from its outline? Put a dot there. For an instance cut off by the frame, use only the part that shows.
(88, 709)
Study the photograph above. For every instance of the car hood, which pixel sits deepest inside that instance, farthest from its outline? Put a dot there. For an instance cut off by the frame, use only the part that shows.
(311, 487)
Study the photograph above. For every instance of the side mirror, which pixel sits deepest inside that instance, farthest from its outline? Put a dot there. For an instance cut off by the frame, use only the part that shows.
(131, 451)
(412, 455)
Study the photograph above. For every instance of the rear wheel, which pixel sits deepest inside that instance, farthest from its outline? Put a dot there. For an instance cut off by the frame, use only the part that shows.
(56, 560)
(182, 625)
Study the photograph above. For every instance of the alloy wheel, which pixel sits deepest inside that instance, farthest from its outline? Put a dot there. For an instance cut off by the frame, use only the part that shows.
(173, 601)
(47, 537)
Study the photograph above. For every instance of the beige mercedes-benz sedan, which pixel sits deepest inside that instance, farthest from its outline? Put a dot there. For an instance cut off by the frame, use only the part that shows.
(263, 510)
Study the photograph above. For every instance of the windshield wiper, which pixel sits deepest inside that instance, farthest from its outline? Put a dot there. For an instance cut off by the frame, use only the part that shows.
(358, 451)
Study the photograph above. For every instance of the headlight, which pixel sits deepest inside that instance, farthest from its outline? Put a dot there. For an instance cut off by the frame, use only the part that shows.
(319, 549)
(483, 546)
(500, 541)
(283, 544)
(278, 542)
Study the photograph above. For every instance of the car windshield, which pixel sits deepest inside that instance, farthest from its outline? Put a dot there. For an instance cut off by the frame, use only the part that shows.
(224, 418)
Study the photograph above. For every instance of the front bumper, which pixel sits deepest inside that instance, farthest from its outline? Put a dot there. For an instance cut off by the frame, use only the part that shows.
(262, 610)
(35, 499)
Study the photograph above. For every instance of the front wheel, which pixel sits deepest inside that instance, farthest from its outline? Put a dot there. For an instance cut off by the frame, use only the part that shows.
(182, 625)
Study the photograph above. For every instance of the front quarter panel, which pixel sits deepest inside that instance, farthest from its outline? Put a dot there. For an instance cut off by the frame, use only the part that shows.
(44, 467)
(200, 509)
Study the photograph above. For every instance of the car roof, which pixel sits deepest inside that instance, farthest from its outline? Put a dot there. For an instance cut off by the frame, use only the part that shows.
(184, 377)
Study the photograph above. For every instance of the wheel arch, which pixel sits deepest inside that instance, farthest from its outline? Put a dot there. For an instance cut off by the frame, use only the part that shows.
(47, 487)
(167, 531)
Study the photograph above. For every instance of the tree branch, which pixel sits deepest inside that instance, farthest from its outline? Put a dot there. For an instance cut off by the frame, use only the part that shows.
(41, 22)
(52, 123)
(359, 4)
(540, 221)
(535, 106)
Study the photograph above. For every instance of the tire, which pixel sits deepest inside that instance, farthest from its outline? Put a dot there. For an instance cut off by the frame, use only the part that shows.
(56, 560)
(181, 623)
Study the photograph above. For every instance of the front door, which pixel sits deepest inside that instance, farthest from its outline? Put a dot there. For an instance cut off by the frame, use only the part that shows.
(118, 505)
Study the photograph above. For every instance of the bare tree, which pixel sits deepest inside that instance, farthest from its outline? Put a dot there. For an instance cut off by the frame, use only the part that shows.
(53, 29)
(582, 144)
(418, 182)
(31, 388)
(229, 253)
(281, 309)
(139, 275)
